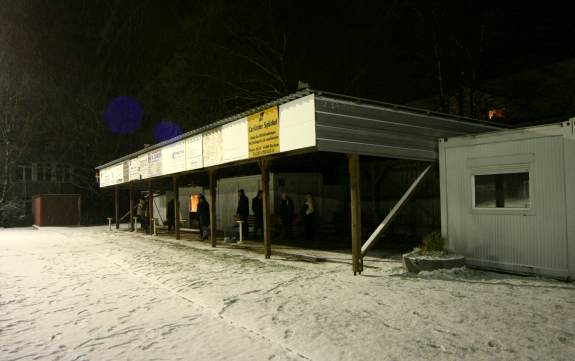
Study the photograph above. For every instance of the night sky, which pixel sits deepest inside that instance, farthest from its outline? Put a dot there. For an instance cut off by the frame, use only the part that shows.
(193, 62)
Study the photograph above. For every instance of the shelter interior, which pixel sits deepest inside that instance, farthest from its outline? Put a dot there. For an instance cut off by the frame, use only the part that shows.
(323, 174)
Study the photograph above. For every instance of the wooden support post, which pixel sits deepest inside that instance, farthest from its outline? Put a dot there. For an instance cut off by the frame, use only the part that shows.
(131, 190)
(265, 169)
(150, 208)
(354, 186)
(213, 195)
(117, 207)
(176, 206)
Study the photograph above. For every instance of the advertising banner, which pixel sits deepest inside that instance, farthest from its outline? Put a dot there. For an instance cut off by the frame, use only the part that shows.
(143, 161)
(126, 171)
(212, 147)
(134, 169)
(118, 174)
(194, 154)
(104, 177)
(264, 133)
(174, 158)
(235, 140)
(155, 161)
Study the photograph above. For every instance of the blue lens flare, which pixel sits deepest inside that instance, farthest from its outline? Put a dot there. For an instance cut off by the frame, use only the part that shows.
(124, 115)
(165, 130)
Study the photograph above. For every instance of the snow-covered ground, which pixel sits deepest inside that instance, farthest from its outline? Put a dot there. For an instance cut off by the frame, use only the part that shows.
(91, 294)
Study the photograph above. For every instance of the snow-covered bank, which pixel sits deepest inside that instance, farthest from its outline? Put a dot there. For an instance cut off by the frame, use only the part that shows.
(90, 294)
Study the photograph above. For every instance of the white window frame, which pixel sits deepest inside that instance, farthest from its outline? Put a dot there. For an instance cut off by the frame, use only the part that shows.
(42, 170)
(21, 169)
(506, 164)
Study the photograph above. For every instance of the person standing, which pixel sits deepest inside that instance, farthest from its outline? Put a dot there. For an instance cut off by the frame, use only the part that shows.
(170, 215)
(309, 217)
(243, 211)
(142, 214)
(203, 216)
(145, 218)
(258, 209)
(286, 214)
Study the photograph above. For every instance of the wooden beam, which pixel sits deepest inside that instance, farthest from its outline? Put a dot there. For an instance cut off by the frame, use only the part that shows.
(126, 215)
(265, 169)
(117, 207)
(394, 211)
(176, 206)
(131, 191)
(354, 186)
(213, 195)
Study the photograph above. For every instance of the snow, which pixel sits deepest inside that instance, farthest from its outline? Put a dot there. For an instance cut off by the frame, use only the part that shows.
(91, 294)
(435, 255)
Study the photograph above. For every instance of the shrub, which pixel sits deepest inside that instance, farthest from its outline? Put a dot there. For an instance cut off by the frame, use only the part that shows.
(14, 213)
(433, 243)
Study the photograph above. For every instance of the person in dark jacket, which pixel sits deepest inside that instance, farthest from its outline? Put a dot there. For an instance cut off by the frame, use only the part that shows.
(142, 213)
(258, 209)
(170, 215)
(204, 216)
(243, 211)
(286, 214)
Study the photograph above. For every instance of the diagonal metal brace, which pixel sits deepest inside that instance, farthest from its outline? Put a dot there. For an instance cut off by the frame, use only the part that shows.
(394, 212)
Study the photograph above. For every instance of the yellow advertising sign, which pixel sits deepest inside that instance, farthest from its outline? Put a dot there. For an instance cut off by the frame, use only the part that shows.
(264, 133)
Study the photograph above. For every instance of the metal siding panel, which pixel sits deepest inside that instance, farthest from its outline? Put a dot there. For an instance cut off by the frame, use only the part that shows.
(569, 160)
(378, 150)
(367, 129)
(399, 116)
(384, 122)
(368, 136)
(536, 241)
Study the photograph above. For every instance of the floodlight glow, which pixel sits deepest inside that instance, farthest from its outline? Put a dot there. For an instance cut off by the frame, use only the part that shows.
(165, 130)
(123, 115)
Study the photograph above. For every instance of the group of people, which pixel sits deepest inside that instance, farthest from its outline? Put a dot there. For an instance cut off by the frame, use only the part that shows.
(286, 213)
(142, 212)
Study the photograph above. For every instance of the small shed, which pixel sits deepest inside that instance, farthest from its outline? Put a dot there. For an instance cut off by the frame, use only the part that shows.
(508, 201)
(56, 210)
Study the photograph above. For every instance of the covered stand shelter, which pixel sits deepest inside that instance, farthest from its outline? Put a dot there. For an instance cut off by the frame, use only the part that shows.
(301, 123)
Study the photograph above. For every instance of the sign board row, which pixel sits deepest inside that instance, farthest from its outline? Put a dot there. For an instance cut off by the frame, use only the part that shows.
(276, 129)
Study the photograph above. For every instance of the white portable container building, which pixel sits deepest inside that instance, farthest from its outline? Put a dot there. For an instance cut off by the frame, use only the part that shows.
(508, 199)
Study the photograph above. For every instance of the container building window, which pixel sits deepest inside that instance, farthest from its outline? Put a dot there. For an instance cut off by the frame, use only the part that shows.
(508, 190)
